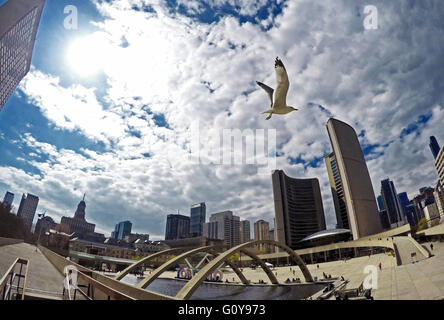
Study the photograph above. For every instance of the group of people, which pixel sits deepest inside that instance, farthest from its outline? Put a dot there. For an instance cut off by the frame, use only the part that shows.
(297, 280)
(262, 282)
(326, 276)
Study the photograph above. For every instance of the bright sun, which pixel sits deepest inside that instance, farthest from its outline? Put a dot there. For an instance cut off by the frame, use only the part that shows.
(86, 55)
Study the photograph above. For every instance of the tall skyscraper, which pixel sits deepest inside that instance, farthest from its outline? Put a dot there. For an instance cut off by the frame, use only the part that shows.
(262, 232)
(380, 203)
(363, 214)
(224, 226)
(404, 202)
(177, 227)
(245, 235)
(8, 199)
(391, 203)
(198, 216)
(439, 198)
(19, 20)
(439, 165)
(44, 224)
(78, 223)
(28, 206)
(337, 191)
(434, 146)
(299, 211)
(121, 230)
(385, 223)
(411, 214)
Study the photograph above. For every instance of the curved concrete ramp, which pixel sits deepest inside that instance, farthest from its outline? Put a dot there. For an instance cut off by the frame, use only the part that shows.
(408, 250)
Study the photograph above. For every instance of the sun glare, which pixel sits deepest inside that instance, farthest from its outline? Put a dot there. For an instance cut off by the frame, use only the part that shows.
(86, 55)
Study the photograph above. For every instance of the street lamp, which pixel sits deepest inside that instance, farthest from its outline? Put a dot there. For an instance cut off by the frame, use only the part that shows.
(40, 217)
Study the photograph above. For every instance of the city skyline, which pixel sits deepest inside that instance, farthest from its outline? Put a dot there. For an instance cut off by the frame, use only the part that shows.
(65, 133)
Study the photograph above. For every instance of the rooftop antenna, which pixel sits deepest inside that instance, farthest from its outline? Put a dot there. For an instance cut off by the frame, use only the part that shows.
(84, 196)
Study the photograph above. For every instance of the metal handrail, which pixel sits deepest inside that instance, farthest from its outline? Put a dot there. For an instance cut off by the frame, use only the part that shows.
(8, 279)
(92, 285)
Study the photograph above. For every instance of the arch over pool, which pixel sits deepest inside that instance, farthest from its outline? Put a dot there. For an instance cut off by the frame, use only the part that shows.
(191, 286)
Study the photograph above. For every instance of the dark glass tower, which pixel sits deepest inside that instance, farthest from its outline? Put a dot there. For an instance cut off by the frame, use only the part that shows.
(27, 208)
(434, 146)
(198, 216)
(380, 203)
(404, 202)
(177, 227)
(391, 202)
(8, 199)
(122, 230)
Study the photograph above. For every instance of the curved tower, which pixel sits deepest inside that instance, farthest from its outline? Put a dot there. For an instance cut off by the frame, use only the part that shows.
(298, 208)
(358, 192)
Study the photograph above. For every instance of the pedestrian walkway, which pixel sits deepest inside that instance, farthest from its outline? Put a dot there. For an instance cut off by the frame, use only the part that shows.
(423, 279)
(43, 279)
(409, 250)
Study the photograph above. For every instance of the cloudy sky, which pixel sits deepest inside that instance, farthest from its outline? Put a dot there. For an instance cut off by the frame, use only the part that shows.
(107, 108)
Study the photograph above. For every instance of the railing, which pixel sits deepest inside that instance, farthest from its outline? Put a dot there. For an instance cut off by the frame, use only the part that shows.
(60, 263)
(7, 282)
(85, 281)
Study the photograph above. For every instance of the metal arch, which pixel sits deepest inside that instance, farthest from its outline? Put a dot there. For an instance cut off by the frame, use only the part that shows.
(191, 286)
(295, 257)
(234, 268)
(146, 259)
(157, 272)
(264, 267)
(237, 271)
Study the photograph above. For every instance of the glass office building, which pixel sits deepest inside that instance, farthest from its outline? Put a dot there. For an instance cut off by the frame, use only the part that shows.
(197, 219)
(19, 20)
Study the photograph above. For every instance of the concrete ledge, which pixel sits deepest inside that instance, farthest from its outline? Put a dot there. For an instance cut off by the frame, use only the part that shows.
(60, 263)
(370, 242)
(420, 248)
(8, 241)
(433, 231)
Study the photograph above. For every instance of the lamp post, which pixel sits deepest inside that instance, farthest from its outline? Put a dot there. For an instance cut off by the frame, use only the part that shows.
(40, 217)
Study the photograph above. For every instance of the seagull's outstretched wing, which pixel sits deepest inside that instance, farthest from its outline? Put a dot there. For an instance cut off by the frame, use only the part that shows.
(267, 89)
(280, 95)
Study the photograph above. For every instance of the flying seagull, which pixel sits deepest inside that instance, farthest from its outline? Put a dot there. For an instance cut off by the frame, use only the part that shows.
(278, 97)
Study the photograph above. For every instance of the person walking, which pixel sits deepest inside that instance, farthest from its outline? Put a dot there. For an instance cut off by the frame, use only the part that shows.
(380, 266)
(431, 246)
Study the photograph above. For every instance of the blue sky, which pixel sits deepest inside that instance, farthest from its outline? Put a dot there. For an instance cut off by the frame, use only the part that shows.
(106, 108)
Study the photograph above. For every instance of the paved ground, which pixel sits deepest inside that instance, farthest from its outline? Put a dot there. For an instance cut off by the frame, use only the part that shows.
(420, 280)
(43, 278)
